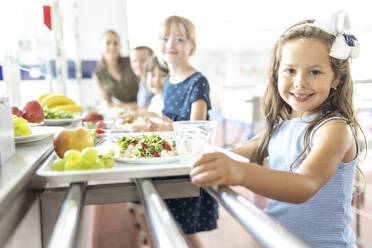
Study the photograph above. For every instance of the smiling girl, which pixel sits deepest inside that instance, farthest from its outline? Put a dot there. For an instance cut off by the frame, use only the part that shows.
(186, 97)
(309, 113)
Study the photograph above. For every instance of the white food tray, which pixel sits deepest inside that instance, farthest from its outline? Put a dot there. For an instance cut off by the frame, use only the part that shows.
(120, 171)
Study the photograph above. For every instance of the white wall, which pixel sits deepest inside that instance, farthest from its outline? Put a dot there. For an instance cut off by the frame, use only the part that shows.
(240, 26)
(95, 17)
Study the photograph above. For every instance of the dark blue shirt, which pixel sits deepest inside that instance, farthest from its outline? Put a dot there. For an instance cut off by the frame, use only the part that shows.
(194, 214)
(179, 97)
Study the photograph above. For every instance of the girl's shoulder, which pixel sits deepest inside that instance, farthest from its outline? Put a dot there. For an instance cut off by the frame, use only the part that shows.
(331, 120)
(314, 122)
(332, 126)
(197, 78)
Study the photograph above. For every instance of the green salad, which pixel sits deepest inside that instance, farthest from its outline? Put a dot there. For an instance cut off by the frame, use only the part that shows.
(143, 146)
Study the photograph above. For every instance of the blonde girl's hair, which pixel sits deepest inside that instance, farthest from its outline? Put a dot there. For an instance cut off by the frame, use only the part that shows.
(102, 65)
(189, 27)
(155, 62)
(339, 101)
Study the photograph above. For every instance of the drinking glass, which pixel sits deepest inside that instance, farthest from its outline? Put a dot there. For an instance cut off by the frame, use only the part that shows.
(194, 138)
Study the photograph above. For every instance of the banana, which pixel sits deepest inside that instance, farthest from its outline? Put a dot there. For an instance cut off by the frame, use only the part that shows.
(40, 98)
(68, 108)
(54, 100)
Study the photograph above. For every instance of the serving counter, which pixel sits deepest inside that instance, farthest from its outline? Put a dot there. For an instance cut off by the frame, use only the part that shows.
(53, 206)
(21, 187)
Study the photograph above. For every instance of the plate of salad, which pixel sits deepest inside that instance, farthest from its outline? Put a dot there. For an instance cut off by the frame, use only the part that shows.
(146, 149)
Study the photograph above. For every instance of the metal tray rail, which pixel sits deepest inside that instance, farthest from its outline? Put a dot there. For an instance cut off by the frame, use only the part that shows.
(163, 227)
(263, 228)
(67, 226)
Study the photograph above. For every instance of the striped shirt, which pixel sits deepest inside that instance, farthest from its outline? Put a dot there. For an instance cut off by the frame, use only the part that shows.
(324, 220)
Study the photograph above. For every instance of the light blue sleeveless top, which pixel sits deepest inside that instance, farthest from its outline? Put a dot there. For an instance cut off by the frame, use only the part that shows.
(324, 220)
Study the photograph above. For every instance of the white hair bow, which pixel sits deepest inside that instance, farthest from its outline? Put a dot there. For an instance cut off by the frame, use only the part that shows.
(345, 45)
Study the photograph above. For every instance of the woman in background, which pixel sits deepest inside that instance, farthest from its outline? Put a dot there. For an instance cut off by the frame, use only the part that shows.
(117, 81)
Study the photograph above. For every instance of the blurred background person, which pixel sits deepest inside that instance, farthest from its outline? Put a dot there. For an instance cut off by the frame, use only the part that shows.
(138, 59)
(156, 72)
(117, 81)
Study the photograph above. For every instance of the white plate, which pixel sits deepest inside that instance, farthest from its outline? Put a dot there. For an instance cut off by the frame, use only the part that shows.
(147, 160)
(50, 122)
(158, 160)
(35, 124)
(38, 133)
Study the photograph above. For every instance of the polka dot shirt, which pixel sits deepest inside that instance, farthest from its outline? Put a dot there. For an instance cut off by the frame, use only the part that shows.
(194, 214)
(179, 97)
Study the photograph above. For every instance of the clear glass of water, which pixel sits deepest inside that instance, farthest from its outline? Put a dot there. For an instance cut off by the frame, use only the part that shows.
(194, 138)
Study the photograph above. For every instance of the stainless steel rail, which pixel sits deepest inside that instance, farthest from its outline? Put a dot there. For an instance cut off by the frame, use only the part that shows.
(265, 230)
(164, 229)
(66, 228)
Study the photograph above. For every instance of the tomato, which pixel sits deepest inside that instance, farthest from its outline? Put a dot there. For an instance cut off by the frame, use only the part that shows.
(99, 131)
(143, 145)
(133, 144)
(167, 146)
(156, 154)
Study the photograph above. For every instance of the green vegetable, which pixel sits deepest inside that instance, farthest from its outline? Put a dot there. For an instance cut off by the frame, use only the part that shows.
(149, 145)
(55, 114)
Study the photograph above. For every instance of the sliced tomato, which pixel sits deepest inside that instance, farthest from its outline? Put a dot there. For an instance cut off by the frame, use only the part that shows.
(133, 144)
(167, 146)
(143, 145)
(156, 154)
(99, 131)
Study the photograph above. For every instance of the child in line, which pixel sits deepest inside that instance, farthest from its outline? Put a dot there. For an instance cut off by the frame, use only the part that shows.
(139, 56)
(309, 113)
(155, 74)
(186, 97)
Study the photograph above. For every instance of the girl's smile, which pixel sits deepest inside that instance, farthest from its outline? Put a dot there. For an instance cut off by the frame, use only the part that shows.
(301, 97)
(305, 76)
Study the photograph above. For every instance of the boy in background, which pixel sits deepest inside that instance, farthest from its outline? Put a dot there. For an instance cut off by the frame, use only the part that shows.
(138, 59)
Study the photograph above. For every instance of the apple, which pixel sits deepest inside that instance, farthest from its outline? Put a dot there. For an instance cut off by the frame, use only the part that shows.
(16, 111)
(101, 124)
(78, 138)
(33, 112)
(92, 117)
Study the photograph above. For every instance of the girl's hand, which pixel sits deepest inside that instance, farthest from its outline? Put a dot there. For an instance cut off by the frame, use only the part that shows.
(215, 169)
(167, 125)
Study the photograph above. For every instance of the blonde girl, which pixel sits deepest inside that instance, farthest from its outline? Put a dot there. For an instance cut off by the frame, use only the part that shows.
(186, 97)
(310, 136)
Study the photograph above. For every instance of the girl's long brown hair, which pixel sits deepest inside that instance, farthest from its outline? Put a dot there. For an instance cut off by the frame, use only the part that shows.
(339, 101)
